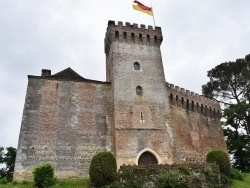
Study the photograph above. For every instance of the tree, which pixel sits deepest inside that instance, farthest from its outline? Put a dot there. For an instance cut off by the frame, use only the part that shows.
(230, 83)
(8, 159)
(238, 143)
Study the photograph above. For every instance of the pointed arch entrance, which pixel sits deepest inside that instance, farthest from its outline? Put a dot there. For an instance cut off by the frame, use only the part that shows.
(147, 159)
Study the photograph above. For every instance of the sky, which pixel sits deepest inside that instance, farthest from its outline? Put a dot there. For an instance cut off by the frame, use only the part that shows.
(57, 34)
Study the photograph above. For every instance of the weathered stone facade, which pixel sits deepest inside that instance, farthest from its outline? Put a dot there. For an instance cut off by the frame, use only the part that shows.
(67, 118)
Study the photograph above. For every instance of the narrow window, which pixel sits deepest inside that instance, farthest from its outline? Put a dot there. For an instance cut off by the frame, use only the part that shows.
(197, 107)
(142, 117)
(214, 113)
(192, 107)
(182, 102)
(210, 112)
(140, 37)
(177, 100)
(171, 98)
(139, 90)
(116, 34)
(187, 105)
(205, 110)
(202, 110)
(148, 39)
(137, 66)
(133, 37)
(125, 36)
(155, 39)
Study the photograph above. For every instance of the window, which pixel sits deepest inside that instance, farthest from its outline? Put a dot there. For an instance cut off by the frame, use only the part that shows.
(139, 90)
(140, 38)
(137, 66)
(171, 99)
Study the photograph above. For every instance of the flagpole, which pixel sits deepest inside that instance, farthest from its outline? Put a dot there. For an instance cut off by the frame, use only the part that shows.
(153, 14)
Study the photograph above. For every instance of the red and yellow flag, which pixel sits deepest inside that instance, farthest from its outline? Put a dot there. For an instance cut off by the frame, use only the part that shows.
(140, 7)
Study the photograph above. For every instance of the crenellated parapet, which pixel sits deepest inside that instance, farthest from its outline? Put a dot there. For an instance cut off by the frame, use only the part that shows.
(132, 33)
(193, 102)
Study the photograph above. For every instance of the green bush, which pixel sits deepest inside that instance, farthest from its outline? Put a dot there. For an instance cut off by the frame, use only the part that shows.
(236, 175)
(3, 180)
(102, 169)
(170, 180)
(43, 175)
(220, 158)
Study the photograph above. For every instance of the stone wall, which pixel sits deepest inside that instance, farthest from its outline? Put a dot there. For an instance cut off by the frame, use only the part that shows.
(64, 123)
(196, 125)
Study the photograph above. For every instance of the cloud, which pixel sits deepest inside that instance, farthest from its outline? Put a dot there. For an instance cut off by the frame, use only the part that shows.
(198, 35)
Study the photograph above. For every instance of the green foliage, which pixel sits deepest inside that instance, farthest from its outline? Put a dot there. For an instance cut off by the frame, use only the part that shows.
(170, 180)
(220, 158)
(8, 159)
(43, 175)
(229, 83)
(3, 180)
(103, 169)
(238, 143)
(207, 170)
(185, 170)
(236, 175)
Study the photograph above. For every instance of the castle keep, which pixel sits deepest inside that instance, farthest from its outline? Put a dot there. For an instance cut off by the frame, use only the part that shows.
(135, 114)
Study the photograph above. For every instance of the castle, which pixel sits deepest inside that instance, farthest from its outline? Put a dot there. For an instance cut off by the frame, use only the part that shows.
(135, 114)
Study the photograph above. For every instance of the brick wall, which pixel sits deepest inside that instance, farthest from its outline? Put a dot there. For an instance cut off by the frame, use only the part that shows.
(64, 123)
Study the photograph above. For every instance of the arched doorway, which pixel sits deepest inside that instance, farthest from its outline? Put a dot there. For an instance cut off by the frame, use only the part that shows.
(147, 159)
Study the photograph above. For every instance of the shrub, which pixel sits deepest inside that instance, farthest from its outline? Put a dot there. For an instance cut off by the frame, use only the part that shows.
(102, 169)
(171, 180)
(220, 158)
(236, 175)
(43, 175)
(3, 180)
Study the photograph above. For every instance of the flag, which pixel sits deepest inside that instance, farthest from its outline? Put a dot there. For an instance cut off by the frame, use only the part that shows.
(140, 7)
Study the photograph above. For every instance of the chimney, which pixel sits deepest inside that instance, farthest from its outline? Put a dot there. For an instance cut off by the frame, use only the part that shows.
(46, 72)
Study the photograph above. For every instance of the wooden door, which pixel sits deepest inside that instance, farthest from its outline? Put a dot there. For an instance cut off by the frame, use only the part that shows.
(147, 159)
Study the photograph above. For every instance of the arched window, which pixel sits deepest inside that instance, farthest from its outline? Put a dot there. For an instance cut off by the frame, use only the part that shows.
(139, 90)
(192, 107)
(182, 102)
(177, 100)
(137, 66)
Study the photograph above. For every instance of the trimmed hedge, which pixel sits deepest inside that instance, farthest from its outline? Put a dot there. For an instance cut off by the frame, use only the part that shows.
(43, 175)
(220, 158)
(103, 169)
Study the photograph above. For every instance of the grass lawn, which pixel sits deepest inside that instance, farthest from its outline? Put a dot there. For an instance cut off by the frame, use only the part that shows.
(242, 184)
(84, 183)
(75, 183)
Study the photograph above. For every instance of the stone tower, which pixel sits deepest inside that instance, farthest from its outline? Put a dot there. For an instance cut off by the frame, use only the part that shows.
(140, 100)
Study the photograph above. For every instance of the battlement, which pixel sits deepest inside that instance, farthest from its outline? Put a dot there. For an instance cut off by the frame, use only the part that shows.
(132, 33)
(194, 102)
